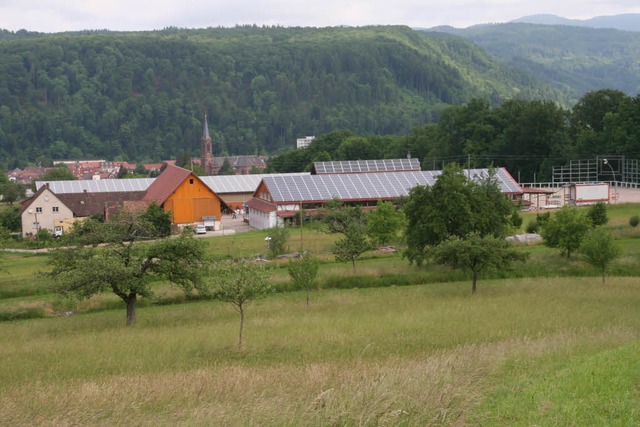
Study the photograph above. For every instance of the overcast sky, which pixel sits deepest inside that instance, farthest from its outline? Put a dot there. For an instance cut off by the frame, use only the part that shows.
(133, 15)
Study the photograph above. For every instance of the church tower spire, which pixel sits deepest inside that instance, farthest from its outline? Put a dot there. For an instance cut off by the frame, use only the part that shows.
(206, 149)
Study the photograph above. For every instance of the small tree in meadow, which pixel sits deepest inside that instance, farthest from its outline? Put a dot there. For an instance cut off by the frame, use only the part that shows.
(277, 237)
(303, 272)
(238, 284)
(352, 245)
(384, 223)
(566, 229)
(475, 254)
(600, 250)
(598, 214)
(634, 221)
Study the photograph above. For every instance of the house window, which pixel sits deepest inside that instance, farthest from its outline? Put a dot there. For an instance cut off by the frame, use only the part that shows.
(55, 209)
(191, 181)
(36, 226)
(39, 209)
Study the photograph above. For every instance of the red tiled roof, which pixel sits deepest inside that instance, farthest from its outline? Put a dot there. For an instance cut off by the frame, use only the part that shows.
(87, 204)
(166, 183)
(261, 205)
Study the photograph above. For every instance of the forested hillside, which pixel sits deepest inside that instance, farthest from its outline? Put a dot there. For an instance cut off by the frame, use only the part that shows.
(141, 96)
(526, 137)
(575, 60)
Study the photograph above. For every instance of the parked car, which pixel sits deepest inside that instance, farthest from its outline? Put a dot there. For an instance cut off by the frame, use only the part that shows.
(200, 229)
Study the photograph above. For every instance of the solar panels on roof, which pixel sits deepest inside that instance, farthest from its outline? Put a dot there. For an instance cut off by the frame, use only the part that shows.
(369, 186)
(364, 166)
(221, 184)
(99, 186)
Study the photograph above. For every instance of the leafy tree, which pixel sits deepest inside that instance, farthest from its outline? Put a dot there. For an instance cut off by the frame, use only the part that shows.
(159, 220)
(13, 191)
(237, 283)
(600, 249)
(634, 221)
(10, 218)
(303, 272)
(124, 267)
(566, 229)
(598, 214)
(476, 254)
(384, 223)
(454, 206)
(349, 221)
(352, 245)
(277, 238)
(58, 174)
(338, 217)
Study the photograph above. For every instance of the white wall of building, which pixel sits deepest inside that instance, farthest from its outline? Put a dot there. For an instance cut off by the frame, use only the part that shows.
(304, 142)
(43, 212)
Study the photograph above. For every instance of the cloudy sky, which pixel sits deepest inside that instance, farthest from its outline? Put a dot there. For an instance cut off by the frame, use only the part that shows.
(125, 15)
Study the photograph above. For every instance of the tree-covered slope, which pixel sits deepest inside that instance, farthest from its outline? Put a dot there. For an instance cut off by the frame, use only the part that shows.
(142, 95)
(576, 60)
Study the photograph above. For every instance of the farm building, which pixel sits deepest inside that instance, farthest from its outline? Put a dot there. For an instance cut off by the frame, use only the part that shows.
(279, 197)
(185, 195)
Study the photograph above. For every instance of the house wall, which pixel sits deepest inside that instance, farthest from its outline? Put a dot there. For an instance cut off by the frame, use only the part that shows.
(47, 210)
(191, 201)
(262, 220)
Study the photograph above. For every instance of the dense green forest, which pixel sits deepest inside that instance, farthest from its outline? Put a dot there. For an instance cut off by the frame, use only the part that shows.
(575, 60)
(526, 137)
(141, 96)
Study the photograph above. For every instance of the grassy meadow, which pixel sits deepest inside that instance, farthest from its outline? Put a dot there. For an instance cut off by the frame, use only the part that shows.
(384, 344)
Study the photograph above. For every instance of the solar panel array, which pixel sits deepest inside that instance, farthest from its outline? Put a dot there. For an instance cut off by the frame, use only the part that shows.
(360, 166)
(221, 184)
(369, 186)
(99, 186)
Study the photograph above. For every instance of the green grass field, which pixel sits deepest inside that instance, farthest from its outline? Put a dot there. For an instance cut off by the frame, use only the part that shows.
(386, 344)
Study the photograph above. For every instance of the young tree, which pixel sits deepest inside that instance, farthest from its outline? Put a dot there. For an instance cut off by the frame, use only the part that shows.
(475, 254)
(303, 272)
(238, 284)
(277, 237)
(122, 266)
(352, 245)
(384, 223)
(600, 249)
(350, 222)
(566, 229)
(598, 214)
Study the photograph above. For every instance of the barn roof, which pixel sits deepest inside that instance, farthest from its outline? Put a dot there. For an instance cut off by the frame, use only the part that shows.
(167, 183)
(366, 186)
(366, 166)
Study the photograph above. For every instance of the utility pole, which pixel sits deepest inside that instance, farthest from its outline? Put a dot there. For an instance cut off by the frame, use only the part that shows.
(301, 227)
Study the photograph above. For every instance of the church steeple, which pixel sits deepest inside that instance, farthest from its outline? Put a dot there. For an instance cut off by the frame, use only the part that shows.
(206, 149)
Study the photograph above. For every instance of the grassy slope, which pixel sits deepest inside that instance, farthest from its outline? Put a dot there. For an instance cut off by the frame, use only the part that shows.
(414, 355)
(545, 351)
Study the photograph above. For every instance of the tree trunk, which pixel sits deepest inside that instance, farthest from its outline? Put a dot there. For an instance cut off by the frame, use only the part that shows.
(241, 327)
(603, 274)
(131, 309)
(474, 280)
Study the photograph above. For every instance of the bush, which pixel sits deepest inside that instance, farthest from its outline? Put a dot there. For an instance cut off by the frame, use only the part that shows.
(277, 238)
(598, 214)
(532, 227)
(634, 221)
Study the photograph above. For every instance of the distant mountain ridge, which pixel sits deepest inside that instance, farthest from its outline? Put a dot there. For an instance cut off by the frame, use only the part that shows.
(575, 60)
(624, 22)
